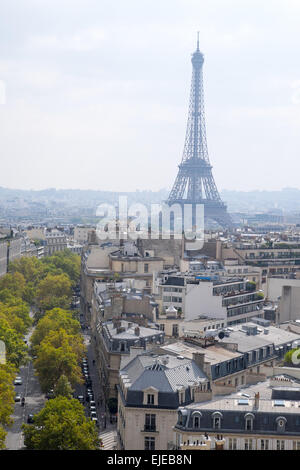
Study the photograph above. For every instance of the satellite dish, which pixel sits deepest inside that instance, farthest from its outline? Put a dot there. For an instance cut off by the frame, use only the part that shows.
(221, 334)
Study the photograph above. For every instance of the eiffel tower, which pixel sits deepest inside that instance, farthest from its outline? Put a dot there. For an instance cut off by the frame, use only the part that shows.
(195, 183)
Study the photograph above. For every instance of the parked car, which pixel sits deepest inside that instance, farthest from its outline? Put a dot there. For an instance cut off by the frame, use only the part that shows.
(50, 394)
(80, 398)
(18, 381)
(93, 414)
(17, 398)
(92, 408)
(30, 419)
(95, 421)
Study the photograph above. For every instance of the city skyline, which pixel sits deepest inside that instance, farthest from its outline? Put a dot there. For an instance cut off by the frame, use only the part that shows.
(90, 107)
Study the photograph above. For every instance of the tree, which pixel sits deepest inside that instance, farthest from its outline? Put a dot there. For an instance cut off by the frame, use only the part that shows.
(54, 291)
(16, 350)
(63, 387)
(32, 269)
(61, 425)
(59, 354)
(16, 313)
(7, 374)
(15, 283)
(67, 262)
(54, 320)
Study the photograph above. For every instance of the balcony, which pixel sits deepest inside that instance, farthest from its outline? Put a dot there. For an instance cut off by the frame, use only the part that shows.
(149, 428)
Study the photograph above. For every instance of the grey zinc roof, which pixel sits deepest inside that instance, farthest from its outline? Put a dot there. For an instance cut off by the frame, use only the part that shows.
(167, 377)
(152, 378)
(129, 333)
(246, 343)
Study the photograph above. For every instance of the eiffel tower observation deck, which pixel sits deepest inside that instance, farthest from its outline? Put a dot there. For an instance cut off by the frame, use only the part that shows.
(195, 183)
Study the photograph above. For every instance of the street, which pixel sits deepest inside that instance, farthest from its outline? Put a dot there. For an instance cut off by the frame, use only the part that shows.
(34, 402)
(102, 414)
(35, 399)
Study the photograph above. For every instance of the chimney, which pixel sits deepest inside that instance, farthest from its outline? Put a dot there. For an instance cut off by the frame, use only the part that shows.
(256, 400)
(120, 329)
(199, 357)
(137, 331)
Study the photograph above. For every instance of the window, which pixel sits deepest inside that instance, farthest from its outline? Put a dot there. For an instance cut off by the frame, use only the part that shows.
(264, 444)
(249, 423)
(196, 421)
(150, 399)
(149, 443)
(150, 422)
(248, 444)
(296, 445)
(281, 421)
(232, 443)
(280, 445)
(146, 268)
(217, 422)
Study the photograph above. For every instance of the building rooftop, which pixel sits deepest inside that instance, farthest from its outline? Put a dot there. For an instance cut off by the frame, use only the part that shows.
(244, 400)
(129, 331)
(238, 335)
(213, 354)
(165, 373)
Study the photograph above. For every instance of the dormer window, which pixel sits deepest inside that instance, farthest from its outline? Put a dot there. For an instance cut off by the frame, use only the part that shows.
(249, 417)
(217, 416)
(150, 399)
(281, 422)
(196, 419)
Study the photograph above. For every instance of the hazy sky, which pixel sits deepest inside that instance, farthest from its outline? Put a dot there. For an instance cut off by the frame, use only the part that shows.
(97, 91)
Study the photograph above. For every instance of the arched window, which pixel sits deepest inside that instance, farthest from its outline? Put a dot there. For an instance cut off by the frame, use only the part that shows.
(196, 419)
(217, 417)
(249, 418)
(281, 422)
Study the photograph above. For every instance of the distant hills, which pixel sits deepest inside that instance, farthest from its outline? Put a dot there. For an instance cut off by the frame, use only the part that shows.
(277, 202)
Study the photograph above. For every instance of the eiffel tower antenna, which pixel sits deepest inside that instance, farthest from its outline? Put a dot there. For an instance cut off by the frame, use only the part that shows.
(195, 183)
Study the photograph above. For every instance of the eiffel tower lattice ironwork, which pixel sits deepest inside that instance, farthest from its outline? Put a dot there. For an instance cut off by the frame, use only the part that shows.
(195, 183)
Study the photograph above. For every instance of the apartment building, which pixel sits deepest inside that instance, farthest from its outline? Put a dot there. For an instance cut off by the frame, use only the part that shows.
(55, 240)
(115, 299)
(113, 341)
(280, 258)
(232, 300)
(262, 417)
(151, 390)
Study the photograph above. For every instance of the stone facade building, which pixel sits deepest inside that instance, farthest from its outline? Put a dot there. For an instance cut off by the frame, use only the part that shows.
(151, 390)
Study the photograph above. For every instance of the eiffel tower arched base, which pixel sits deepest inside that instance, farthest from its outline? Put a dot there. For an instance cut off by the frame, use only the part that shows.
(214, 210)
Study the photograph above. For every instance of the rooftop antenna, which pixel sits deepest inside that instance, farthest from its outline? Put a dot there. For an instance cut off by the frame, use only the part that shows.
(198, 40)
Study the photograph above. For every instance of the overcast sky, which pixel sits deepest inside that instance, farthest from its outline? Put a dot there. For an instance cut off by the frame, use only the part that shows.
(97, 92)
